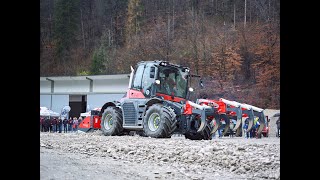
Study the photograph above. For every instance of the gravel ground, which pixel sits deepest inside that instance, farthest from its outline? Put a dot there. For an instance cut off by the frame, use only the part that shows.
(94, 156)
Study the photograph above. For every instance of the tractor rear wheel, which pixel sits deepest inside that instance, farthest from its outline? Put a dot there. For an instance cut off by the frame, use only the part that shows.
(111, 121)
(206, 134)
(159, 122)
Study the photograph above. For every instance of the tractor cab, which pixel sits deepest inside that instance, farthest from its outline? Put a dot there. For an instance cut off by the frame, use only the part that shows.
(159, 79)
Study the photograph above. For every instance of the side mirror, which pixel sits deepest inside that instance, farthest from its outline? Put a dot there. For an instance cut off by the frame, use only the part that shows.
(152, 72)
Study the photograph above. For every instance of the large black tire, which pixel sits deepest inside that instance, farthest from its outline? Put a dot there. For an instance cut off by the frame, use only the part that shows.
(159, 122)
(111, 121)
(205, 135)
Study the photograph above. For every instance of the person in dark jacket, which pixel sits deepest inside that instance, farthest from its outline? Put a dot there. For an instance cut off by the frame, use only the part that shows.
(245, 127)
(41, 124)
(70, 124)
(51, 124)
(60, 125)
(54, 123)
(278, 127)
(46, 124)
(65, 125)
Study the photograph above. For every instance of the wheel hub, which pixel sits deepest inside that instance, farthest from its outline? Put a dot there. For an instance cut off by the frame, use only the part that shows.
(154, 121)
(108, 122)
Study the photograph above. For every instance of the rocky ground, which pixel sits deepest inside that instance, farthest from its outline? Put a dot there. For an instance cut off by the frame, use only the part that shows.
(94, 156)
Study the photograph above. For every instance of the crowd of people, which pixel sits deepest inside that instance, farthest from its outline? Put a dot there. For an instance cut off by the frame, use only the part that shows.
(220, 130)
(252, 132)
(57, 125)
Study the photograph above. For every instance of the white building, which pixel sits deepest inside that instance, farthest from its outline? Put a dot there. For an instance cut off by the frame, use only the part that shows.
(80, 91)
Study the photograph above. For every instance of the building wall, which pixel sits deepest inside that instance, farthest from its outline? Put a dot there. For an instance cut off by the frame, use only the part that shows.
(58, 102)
(98, 100)
(45, 86)
(71, 86)
(45, 100)
(110, 86)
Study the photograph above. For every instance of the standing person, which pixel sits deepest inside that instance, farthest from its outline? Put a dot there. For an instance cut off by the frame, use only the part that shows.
(253, 130)
(278, 127)
(245, 128)
(46, 124)
(59, 125)
(54, 123)
(51, 124)
(75, 123)
(79, 120)
(65, 125)
(220, 132)
(70, 124)
(257, 125)
(41, 124)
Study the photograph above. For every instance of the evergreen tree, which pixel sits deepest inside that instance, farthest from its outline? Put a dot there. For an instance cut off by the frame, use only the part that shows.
(66, 17)
(134, 16)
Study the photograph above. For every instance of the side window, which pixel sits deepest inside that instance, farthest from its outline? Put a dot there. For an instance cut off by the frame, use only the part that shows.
(138, 77)
(147, 81)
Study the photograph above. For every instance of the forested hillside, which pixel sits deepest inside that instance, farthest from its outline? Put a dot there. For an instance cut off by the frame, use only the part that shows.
(233, 44)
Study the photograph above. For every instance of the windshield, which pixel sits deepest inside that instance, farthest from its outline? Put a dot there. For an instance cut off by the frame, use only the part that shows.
(172, 80)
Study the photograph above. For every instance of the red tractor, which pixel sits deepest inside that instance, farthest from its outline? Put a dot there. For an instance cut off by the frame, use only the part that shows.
(156, 105)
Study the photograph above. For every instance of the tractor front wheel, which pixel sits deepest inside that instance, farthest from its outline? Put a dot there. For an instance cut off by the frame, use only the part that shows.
(111, 122)
(159, 122)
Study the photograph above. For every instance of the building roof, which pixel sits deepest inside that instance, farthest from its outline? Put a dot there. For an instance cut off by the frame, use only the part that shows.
(117, 83)
(94, 77)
